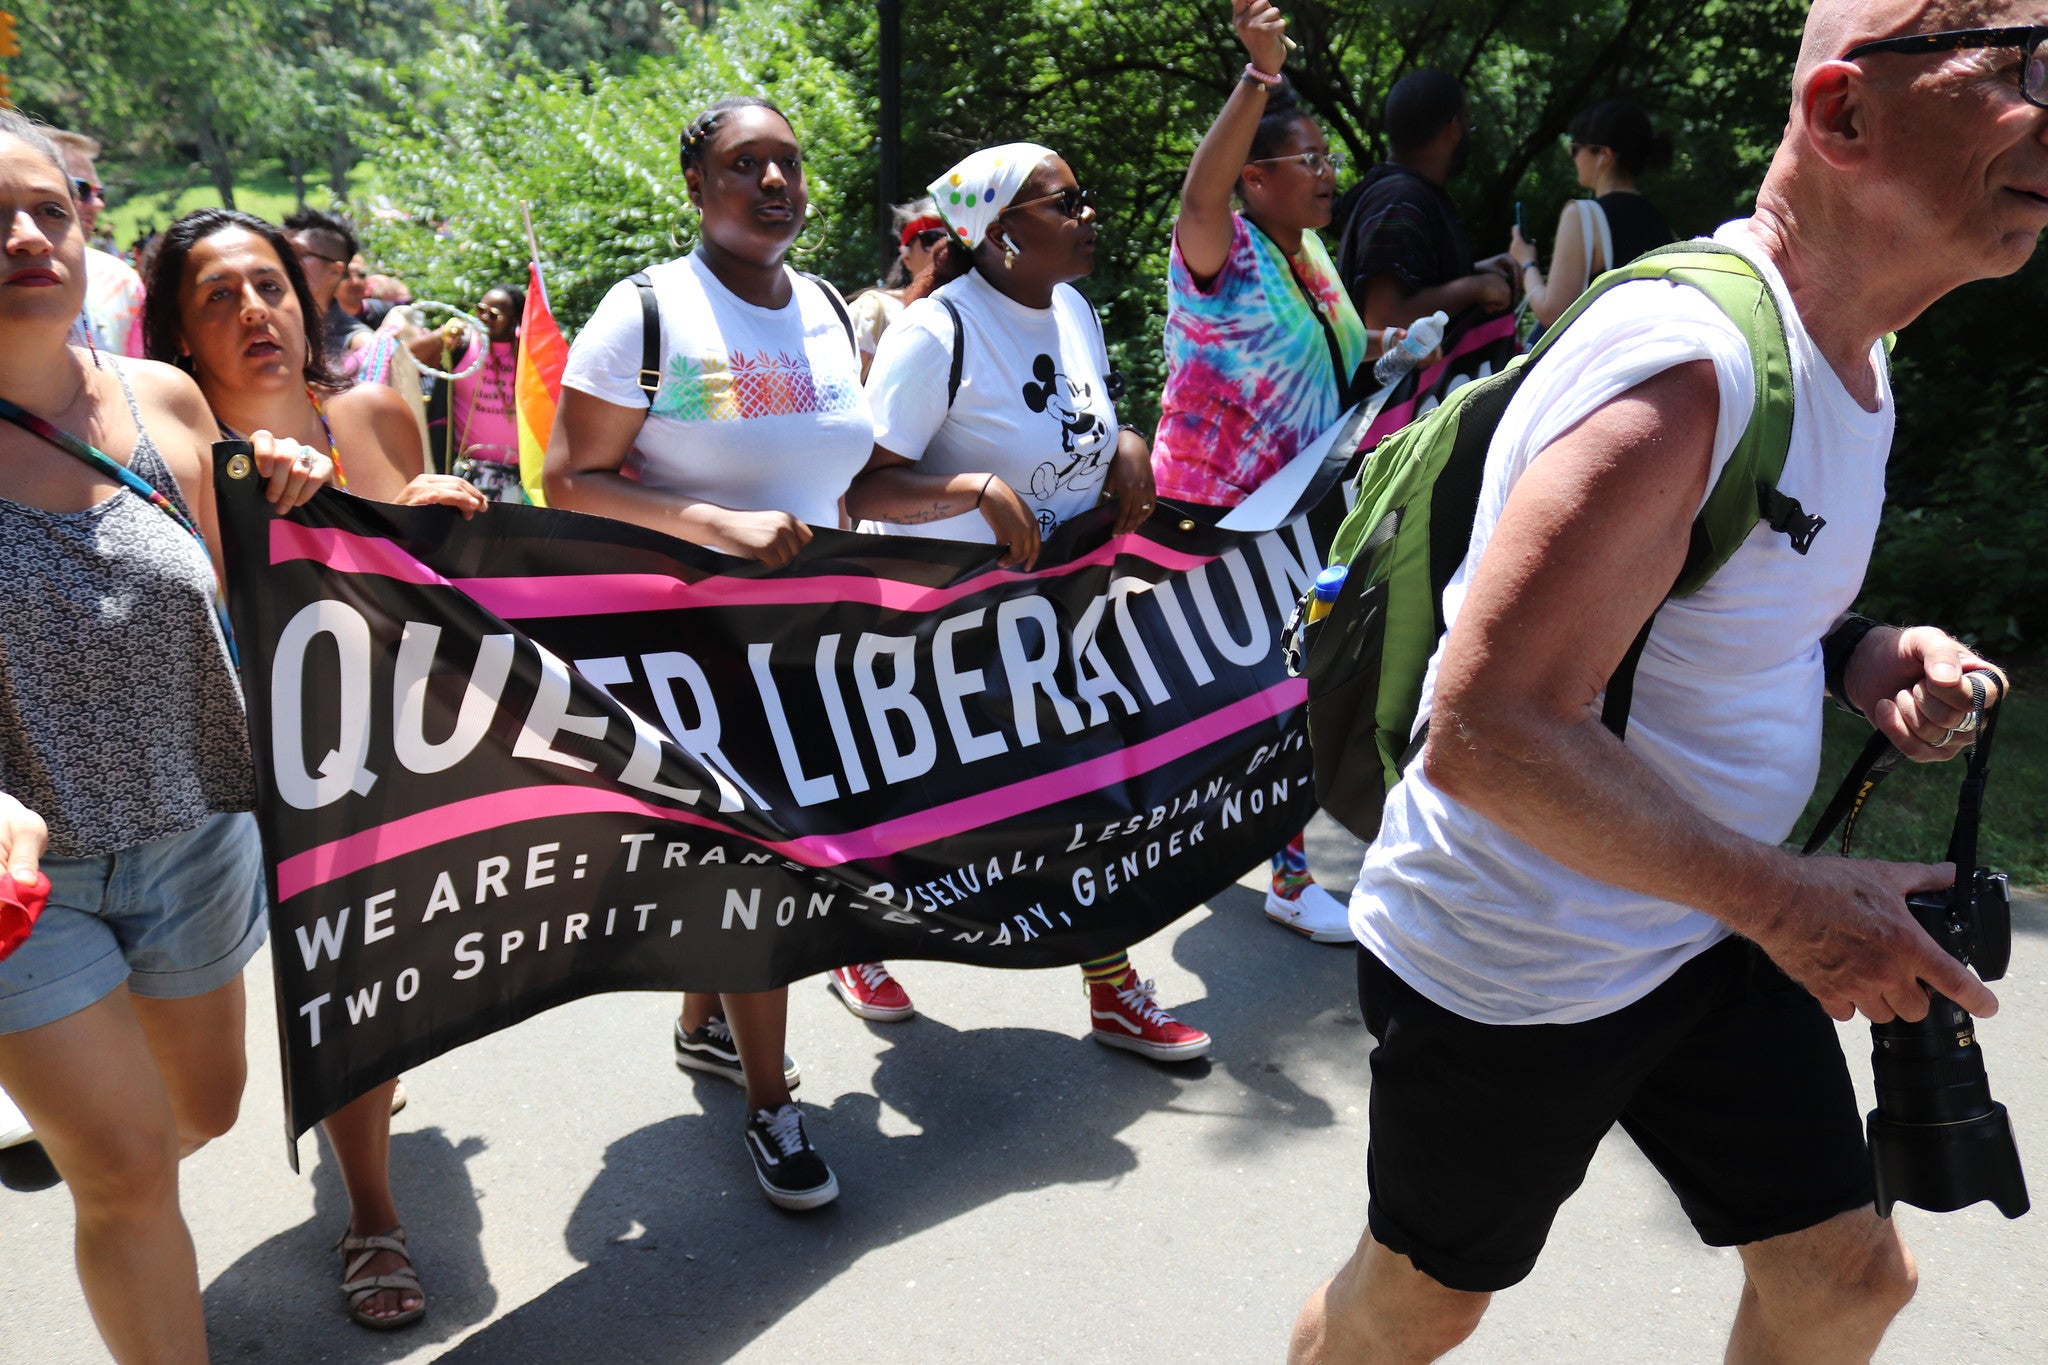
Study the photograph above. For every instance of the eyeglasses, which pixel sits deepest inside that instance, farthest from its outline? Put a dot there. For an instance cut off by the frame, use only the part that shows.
(85, 191)
(1314, 162)
(2033, 65)
(1072, 200)
(306, 255)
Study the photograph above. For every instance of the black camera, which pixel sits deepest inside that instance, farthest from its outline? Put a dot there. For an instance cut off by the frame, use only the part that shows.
(1937, 1138)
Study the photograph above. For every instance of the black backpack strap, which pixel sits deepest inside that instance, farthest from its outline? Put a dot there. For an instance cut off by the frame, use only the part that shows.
(838, 306)
(959, 350)
(650, 336)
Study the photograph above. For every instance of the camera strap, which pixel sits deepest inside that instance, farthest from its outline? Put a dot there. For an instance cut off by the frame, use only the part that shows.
(1876, 762)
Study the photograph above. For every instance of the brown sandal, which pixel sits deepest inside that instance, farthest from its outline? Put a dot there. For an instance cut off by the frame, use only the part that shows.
(359, 1252)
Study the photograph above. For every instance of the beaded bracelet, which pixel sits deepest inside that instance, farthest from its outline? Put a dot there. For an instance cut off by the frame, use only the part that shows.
(1252, 73)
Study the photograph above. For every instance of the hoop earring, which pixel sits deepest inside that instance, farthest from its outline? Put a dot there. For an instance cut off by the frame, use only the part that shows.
(812, 218)
(680, 240)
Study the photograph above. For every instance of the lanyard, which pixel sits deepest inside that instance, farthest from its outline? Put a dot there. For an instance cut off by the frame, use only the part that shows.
(105, 464)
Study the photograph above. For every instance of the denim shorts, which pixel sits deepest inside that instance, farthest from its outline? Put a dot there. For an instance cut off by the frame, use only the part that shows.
(175, 917)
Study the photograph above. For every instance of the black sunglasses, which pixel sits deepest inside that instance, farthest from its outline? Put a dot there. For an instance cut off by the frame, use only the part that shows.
(930, 238)
(84, 190)
(1072, 200)
(2033, 66)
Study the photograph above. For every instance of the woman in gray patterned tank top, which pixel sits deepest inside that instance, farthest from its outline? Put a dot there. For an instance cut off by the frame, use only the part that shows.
(124, 772)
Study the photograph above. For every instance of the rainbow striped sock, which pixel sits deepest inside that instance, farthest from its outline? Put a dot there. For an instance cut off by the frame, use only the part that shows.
(1106, 971)
(1290, 869)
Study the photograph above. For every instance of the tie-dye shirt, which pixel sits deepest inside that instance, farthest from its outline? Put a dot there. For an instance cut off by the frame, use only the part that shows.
(1248, 375)
(757, 409)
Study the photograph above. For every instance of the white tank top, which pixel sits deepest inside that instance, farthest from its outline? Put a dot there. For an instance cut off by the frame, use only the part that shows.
(1728, 696)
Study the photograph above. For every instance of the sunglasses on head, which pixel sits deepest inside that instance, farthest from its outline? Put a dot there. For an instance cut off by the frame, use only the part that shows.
(1072, 200)
(307, 254)
(84, 190)
(930, 238)
(2033, 69)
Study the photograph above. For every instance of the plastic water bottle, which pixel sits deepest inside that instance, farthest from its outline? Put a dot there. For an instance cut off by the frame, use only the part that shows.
(1425, 336)
(1329, 583)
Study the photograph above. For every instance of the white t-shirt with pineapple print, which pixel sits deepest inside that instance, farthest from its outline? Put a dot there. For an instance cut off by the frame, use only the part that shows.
(759, 409)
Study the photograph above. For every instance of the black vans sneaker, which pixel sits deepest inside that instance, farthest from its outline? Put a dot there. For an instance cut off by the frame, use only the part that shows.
(791, 1172)
(710, 1048)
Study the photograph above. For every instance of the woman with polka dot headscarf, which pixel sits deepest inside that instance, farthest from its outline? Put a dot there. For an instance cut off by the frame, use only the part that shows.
(1026, 440)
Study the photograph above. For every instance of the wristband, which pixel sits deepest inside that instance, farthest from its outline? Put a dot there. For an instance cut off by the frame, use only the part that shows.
(1837, 648)
(984, 490)
(1252, 73)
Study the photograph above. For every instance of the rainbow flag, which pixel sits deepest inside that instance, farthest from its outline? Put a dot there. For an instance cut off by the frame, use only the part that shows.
(543, 355)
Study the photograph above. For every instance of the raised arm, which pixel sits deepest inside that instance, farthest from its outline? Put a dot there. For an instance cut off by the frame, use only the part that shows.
(1603, 516)
(1204, 227)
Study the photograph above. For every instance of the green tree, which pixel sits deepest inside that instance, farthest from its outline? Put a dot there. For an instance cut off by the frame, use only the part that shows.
(478, 126)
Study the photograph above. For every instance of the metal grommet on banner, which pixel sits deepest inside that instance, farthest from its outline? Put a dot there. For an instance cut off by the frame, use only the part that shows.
(238, 466)
(1187, 526)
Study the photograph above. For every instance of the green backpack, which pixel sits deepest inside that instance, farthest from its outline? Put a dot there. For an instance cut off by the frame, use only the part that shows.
(1411, 526)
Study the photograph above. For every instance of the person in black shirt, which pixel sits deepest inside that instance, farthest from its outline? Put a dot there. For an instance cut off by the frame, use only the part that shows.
(1611, 145)
(1405, 254)
(325, 246)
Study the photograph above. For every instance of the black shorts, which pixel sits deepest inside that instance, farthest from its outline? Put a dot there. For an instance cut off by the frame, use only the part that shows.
(1728, 1076)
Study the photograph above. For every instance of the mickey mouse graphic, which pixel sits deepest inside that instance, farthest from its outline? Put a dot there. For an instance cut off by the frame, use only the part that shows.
(1085, 437)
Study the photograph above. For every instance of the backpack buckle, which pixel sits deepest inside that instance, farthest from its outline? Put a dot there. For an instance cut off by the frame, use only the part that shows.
(1784, 515)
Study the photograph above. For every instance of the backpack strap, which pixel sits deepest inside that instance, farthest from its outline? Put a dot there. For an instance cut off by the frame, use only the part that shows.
(650, 336)
(959, 350)
(838, 306)
(1747, 490)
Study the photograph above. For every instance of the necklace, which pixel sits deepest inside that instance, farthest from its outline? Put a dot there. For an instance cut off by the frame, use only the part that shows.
(333, 451)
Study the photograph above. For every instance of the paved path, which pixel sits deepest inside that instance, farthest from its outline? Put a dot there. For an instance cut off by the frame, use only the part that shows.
(1012, 1192)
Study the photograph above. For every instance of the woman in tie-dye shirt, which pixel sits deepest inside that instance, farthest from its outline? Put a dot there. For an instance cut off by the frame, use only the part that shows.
(1262, 344)
(1261, 341)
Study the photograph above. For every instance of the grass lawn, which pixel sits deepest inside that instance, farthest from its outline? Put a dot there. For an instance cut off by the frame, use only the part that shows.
(145, 195)
(1909, 816)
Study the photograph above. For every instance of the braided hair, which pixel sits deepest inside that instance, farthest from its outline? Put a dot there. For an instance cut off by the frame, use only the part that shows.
(698, 132)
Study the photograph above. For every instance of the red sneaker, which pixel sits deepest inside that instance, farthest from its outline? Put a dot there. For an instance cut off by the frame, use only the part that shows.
(1125, 1015)
(869, 991)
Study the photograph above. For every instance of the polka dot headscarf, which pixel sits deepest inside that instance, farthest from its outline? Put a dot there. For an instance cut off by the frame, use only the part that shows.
(971, 194)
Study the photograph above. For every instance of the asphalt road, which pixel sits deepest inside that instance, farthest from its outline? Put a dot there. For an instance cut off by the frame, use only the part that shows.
(1012, 1192)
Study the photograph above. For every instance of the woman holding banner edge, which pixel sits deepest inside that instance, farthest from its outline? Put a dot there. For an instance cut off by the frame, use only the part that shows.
(1263, 346)
(1025, 440)
(228, 304)
(122, 1014)
(744, 469)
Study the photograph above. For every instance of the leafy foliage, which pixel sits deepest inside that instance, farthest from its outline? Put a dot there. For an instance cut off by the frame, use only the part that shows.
(594, 155)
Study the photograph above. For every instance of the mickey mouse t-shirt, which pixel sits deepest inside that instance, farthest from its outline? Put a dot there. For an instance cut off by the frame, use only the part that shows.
(1032, 408)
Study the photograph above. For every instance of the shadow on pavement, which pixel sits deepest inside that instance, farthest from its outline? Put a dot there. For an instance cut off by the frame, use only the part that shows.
(280, 1300)
(684, 1259)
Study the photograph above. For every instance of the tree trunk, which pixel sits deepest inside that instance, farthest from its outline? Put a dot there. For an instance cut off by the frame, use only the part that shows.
(295, 166)
(340, 156)
(215, 155)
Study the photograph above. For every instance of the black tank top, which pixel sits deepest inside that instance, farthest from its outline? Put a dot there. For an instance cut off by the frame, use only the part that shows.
(1636, 225)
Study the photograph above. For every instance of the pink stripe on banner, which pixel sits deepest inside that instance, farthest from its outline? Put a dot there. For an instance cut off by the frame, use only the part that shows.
(318, 866)
(346, 552)
(1485, 334)
(516, 599)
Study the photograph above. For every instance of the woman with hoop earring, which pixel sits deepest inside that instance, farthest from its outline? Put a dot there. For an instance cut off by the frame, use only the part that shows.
(743, 436)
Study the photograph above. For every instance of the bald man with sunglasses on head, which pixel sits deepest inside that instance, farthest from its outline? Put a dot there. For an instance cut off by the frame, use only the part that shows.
(1563, 931)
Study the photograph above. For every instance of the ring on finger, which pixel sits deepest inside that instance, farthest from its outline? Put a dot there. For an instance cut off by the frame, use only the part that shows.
(1967, 723)
(1947, 738)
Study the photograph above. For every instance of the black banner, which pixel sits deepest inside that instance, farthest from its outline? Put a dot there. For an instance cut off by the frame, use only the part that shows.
(506, 763)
